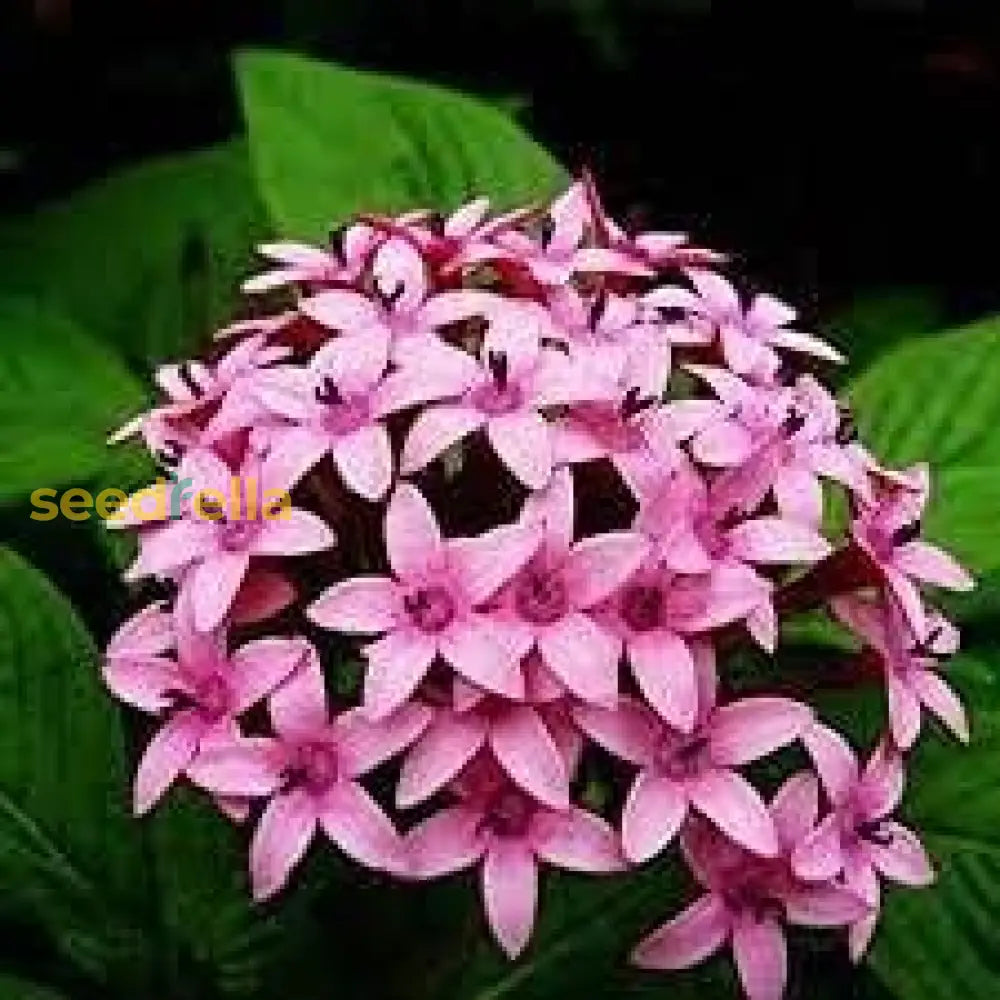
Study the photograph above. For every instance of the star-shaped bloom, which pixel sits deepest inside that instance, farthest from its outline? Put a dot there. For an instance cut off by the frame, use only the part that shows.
(510, 834)
(748, 900)
(309, 772)
(680, 771)
(433, 605)
(549, 604)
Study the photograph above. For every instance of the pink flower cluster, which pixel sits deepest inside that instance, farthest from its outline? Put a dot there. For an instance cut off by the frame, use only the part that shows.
(547, 475)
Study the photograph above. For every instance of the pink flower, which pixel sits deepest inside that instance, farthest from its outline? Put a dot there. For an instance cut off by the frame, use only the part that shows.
(396, 310)
(533, 741)
(858, 841)
(198, 694)
(432, 605)
(309, 772)
(681, 771)
(334, 406)
(656, 612)
(510, 834)
(910, 664)
(887, 530)
(549, 604)
(211, 557)
(749, 335)
(625, 423)
(748, 899)
(502, 394)
(300, 264)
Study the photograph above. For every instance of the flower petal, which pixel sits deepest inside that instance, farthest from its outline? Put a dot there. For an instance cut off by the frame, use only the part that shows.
(577, 840)
(736, 808)
(750, 728)
(363, 745)
(165, 757)
(293, 532)
(412, 535)
(242, 768)
(364, 461)
(280, 841)
(693, 935)
(819, 857)
(448, 744)
(366, 605)
(260, 666)
(213, 585)
(761, 958)
(486, 562)
(355, 822)
(629, 730)
(653, 813)
(434, 431)
(510, 893)
(525, 749)
(599, 565)
(397, 663)
(776, 540)
(583, 656)
(523, 444)
(833, 759)
(903, 859)
(664, 670)
(929, 564)
(471, 647)
(939, 697)
(446, 842)
(795, 807)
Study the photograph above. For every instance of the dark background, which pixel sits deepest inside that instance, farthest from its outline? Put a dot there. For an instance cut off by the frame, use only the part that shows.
(843, 148)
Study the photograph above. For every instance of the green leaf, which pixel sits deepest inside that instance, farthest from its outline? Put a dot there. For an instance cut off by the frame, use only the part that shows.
(938, 400)
(70, 856)
(15, 988)
(148, 260)
(327, 142)
(61, 392)
(874, 322)
(945, 941)
(155, 907)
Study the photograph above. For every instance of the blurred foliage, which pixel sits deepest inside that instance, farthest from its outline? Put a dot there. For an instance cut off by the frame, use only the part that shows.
(139, 268)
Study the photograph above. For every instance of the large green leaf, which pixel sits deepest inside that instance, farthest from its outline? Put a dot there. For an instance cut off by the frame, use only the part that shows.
(938, 400)
(152, 907)
(327, 142)
(149, 259)
(61, 392)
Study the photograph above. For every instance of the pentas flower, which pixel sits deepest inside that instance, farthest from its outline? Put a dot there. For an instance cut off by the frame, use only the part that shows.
(887, 530)
(496, 824)
(503, 393)
(857, 841)
(656, 613)
(680, 771)
(198, 693)
(391, 311)
(211, 555)
(910, 664)
(549, 604)
(748, 900)
(749, 336)
(433, 605)
(309, 772)
(335, 406)
(533, 741)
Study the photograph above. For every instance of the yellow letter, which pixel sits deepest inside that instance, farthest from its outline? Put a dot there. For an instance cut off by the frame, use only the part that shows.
(40, 499)
(279, 499)
(159, 495)
(75, 503)
(215, 500)
(107, 510)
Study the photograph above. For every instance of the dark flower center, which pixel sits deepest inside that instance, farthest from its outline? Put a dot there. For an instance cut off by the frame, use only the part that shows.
(315, 767)
(509, 815)
(431, 609)
(541, 597)
(642, 607)
(341, 414)
(875, 833)
(212, 696)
